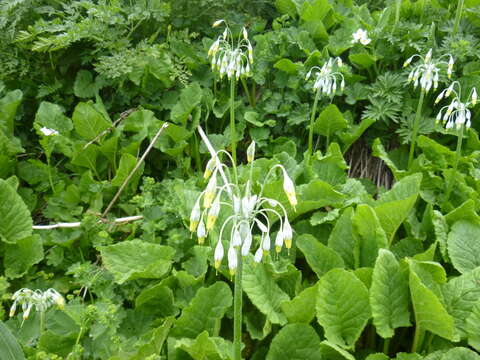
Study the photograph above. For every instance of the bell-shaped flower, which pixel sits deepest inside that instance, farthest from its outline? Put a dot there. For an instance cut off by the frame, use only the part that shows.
(232, 260)
(195, 216)
(201, 232)
(218, 255)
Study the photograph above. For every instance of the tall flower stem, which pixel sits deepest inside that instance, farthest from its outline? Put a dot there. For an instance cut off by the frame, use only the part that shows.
(416, 125)
(312, 120)
(458, 17)
(233, 133)
(458, 153)
(42, 323)
(237, 310)
(398, 6)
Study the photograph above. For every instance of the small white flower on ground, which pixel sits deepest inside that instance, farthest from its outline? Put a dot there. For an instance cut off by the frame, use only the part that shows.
(48, 132)
(361, 36)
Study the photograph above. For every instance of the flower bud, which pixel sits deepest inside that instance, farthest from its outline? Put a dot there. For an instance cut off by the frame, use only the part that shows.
(218, 255)
(279, 241)
(287, 234)
(247, 243)
(216, 23)
(251, 152)
(236, 239)
(201, 232)
(289, 189)
(195, 216)
(245, 34)
(474, 96)
(211, 164)
(210, 192)
(232, 260)
(266, 243)
(213, 213)
(13, 309)
(258, 255)
(428, 57)
(408, 61)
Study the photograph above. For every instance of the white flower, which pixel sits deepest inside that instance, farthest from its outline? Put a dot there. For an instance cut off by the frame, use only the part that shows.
(426, 72)
(361, 36)
(42, 300)
(457, 113)
(218, 256)
(326, 78)
(251, 152)
(232, 260)
(48, 132)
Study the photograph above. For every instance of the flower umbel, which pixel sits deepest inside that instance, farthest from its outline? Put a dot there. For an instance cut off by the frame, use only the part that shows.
(326, 77)
(230, 58)
(42, 300)
(249, 212)
(457, 113)
(426, 71)
(361, 36)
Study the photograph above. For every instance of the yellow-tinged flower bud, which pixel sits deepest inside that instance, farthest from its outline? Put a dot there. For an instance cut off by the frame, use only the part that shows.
(474, 96)
(232, 260)
(216, 23)
(210, 192)
(195, 216)
(287, 234)
(201, 232)
(289, 189)
(218, 255)
(251, 152)
(213, 213)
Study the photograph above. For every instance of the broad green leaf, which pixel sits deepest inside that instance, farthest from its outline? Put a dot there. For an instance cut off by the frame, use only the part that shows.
(51, 116)
(331, 351)
(22, 255)
(136, 259)
(330, 121)
(363, 60)
(435, 152)
(458, 353)
(370, 234)
(88, 121)
(330, 167)
(205, 347)
(351, 135)
(127, 164)
(287, 66)
(157, 300)
(301, 309)
(15, 219)
(204, 312)
(286, 7)
(342, 239)
(263, 292)
(189, 99)
(378, 356)
(257, 324)
(379, 151)
(473, 326)
(84, 85)
(295, 342)
(197, 264)
(155, 343)
(430, 314)
(441, 231)
(343, 307)
(394, 206)
(460, 294)
(463, 246)
(466, 212)
(389, 295)
(319, 257)
(8, 108)
(9, 347)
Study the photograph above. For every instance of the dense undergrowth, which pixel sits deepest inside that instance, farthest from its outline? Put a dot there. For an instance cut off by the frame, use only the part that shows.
(385, 257)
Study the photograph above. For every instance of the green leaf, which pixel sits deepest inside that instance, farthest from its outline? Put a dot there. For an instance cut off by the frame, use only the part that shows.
(204, 312)
(22, 255)
(157, 300)
(287, 66)
(263, 292)
(342, 239)
(155, 343)
(389, 295)
(189, 99)
(459, 353)
(88, 121)
(15, 219)
(197, 264)
(473, 326)
(9, 347)
(51, 116)
(460, 294)
(351, 134)
(8, 108)
(363, 60)
(295, 342)
(370, 234)
(330, 121)
(463, 246)
(380, 152)
(394, 206)
(466, 211)
(331, 351)
(136, 259)
(286, 7)
(343, 307)
(127, 164)
(430, 314)
(440, 228)
(378, 356)
(319, 257)
(330, 167)
(205, 347)
(84, 85)
(301, 309)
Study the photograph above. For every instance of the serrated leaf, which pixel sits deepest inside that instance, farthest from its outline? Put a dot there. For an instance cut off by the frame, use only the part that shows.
(459, 353)
(204, 312)
(88, 121)
(440, 228)
(22, 255)
(205, 347)
(157, 300)
(343, 307)
(389, 295)
(15, 219)
(463, 246)
(301, 309)
(263, 292)
(137, 259)
(51, 116)
(320, 258)
(84, 85)
(295, 342)
(430, 314)
(342, 239)
(127, 164)
(9, 347)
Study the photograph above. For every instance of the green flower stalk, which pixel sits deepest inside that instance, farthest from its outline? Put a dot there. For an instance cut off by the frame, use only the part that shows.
(456, 116)
(325, 83)
(248, 212)
(426, 74)
(233, 59)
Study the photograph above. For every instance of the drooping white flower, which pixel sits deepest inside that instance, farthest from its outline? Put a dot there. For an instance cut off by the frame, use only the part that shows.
(218, 256)
(251, 152)
(457, 113)
(361, 36)
(41, 300)
(48, 132)
(232, 260)
(326, 77)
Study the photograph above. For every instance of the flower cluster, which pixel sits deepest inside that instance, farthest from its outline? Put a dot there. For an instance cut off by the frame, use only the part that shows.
(457, 113)
(229, 58)
(426, 72)
(248, 212)
(361, 36)
(326, 77)
(42, 300)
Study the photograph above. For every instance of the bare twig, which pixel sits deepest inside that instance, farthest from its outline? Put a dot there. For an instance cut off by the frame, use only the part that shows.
(122, 116)
(78, 223)
(139, 162)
